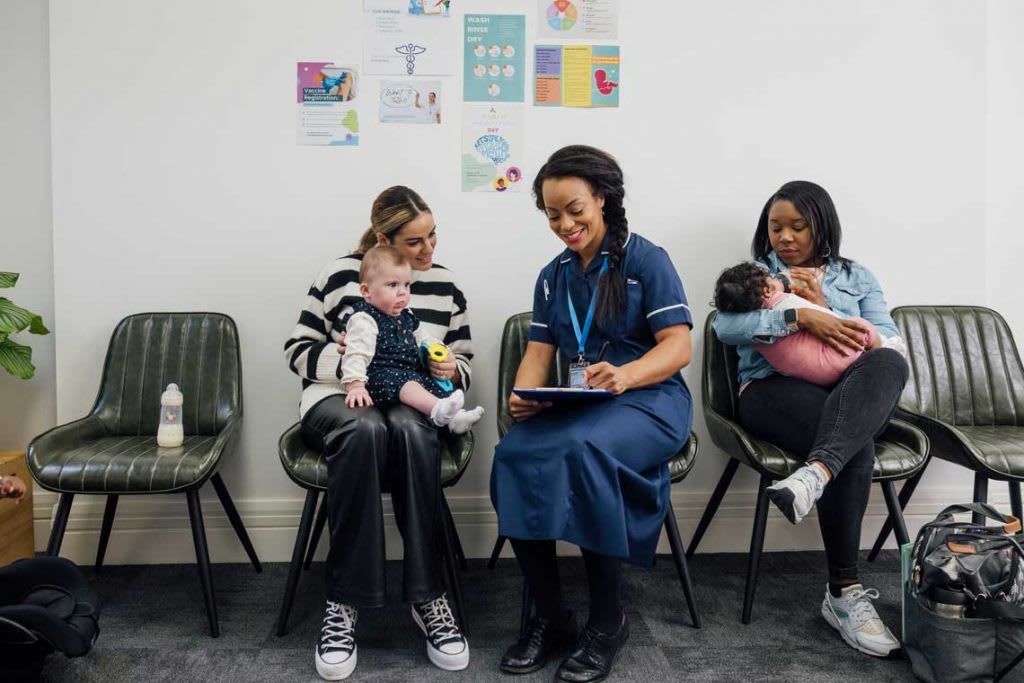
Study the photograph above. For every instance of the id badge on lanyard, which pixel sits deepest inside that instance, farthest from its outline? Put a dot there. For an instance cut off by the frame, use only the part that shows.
(577, 368)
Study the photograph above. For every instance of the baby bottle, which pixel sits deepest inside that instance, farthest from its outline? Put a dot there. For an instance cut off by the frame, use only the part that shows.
(170, 433)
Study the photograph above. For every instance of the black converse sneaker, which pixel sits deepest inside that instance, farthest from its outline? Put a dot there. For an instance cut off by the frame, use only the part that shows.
(446, 646)
(336, 651)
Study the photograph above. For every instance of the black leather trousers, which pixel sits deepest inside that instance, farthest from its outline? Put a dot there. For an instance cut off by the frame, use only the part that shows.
(371, 451)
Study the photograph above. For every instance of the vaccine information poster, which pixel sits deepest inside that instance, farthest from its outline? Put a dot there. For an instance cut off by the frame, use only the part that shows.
(492, 148)
(494, 58)
(326, 97)
(576, 75)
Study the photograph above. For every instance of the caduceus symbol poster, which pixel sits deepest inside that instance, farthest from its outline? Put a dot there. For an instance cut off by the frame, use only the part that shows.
(408, 38)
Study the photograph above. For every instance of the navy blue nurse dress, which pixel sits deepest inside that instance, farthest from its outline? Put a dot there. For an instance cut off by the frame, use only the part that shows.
(597, 475)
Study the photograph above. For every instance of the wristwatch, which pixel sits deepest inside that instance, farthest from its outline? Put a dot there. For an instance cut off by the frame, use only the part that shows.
(790, 316)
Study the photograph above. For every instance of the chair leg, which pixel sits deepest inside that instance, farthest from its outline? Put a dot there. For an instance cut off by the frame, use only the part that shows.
(301, 541)
(756, 545)
(108, 523)
(236, 520)
(905, 493)
(1015, 505)
(452, 566)
(195, 514)
(679, 555)
(318, 530)
(712, 507)
(499, 543)
(895, 513)
(980, 496)
(526, 612)
(60, 522)
(459, 553)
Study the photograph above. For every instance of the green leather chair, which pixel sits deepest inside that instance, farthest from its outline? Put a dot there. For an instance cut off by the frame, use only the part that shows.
(113, 451)
(308, 469)
(513, 346)
(900, 452)
(966, 392)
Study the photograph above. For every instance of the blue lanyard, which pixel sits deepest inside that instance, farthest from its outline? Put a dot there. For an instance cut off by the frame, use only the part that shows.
(581, 337)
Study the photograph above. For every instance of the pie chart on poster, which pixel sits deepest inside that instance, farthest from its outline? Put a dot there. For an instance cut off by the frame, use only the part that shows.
(561, 15)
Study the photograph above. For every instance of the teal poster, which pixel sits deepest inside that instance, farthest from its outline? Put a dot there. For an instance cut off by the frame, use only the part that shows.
(494, 58)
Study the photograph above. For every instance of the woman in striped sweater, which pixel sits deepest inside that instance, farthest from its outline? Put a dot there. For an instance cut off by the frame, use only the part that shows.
(373, 448)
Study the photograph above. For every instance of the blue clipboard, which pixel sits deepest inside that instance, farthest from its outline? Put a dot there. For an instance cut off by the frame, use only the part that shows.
(563, 394)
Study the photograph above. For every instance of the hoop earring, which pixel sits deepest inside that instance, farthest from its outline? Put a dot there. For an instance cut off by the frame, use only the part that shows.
(828, 251)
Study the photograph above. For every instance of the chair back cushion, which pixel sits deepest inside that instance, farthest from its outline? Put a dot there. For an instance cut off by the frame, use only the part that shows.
(197, 351)
(719, 385)
(964, 365)
(513, 346)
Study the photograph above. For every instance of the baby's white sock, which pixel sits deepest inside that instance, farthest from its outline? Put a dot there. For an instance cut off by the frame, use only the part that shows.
(464, 419)
(446, 408)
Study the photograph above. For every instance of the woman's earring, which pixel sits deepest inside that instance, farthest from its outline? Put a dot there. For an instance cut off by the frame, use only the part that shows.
(828, 251)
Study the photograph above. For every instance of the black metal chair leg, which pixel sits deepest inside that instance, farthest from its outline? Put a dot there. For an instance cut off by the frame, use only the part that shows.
(895, 513)
(301, 541)
(459, 553)
(756, 545)
(679, 555)
(980, 496)
(905, 493)
(318, 530)
(60, 522)
(499, 543)
(1015, 505)
(712, 506)
(108, 523)
(452, 568)
(236, 520)
(195, 514)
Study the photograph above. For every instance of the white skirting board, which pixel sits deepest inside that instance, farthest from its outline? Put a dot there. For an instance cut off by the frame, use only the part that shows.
(156, 529)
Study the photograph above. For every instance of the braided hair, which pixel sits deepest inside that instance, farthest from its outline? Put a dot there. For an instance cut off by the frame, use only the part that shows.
(604, 176)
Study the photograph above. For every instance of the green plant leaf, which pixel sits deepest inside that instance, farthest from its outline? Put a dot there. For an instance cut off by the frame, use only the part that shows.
(8, 279)
(13, 318)
(16, 359)
(37, 326)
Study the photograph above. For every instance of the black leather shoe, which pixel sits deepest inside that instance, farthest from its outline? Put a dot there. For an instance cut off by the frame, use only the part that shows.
(594, 655)
(543, 637)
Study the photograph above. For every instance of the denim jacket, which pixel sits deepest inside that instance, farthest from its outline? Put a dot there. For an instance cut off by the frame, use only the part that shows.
(853, 293)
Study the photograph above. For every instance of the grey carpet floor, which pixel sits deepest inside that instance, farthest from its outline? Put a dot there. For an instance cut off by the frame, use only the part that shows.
(154, 626)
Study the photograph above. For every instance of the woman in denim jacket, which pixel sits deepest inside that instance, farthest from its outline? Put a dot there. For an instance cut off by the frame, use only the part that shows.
(799, 233)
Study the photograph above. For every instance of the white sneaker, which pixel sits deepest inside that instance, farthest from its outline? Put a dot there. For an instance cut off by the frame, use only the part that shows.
(858, 623)
(447, 648)
(336, 651)
(796, 494)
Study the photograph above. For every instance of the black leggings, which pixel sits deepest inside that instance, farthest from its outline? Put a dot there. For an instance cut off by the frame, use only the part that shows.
(604, 574)
(836, 427)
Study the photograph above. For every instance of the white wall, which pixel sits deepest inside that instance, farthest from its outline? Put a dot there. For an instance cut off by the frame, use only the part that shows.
(26, 234)
(177, 185)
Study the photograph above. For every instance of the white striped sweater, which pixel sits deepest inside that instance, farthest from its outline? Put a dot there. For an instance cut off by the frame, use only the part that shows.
(312, 349)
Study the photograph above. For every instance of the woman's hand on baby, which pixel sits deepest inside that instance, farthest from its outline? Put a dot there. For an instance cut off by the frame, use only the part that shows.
(357, 395)
(341, 344)
(523, 409)
(609, 377)
(12, 487)
(842, 335)
(805, 284)
(442, 369)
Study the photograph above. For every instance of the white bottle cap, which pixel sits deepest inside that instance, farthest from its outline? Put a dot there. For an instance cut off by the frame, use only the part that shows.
(172, 396)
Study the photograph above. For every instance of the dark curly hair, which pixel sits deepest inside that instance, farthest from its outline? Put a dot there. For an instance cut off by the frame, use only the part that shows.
(604, 176)
(741, 288)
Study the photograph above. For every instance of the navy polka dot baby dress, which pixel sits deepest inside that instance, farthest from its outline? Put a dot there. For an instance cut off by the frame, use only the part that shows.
(396, 359)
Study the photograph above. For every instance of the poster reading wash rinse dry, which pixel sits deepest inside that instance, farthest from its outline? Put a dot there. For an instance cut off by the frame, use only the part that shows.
(492, 148)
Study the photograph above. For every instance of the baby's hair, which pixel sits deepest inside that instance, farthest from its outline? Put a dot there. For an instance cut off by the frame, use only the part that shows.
(375, 257)
(741, 288)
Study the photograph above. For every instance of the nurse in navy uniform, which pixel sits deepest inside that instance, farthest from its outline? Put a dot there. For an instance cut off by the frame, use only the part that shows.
(594, 475)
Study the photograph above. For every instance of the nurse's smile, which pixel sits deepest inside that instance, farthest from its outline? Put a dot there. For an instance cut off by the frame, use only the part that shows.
(575, 215)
